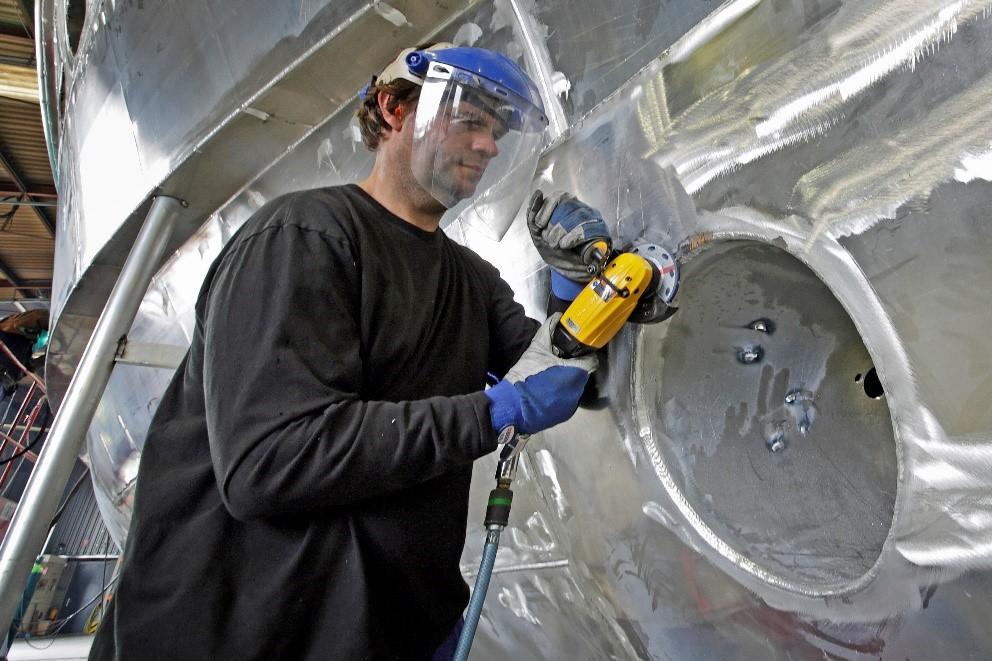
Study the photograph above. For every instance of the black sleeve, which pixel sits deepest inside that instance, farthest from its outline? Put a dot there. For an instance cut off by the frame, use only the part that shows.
(282, 366)
(510, 330)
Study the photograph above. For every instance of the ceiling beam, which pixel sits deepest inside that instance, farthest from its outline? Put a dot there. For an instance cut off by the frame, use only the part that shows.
(26, 9)
(28, 285)
(22, 187)
(19, 301)
(38, 190)
(15, 202)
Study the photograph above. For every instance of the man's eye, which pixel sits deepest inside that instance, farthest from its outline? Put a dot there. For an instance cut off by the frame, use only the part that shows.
(480, 125)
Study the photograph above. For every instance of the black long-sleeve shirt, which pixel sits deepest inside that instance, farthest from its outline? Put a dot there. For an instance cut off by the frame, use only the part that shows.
(302, 492)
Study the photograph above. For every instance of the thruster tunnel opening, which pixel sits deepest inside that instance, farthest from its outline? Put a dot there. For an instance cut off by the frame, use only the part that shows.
(756, 393)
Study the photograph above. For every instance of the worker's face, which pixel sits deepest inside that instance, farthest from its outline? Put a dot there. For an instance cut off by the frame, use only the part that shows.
(465, 141)
(469, 145)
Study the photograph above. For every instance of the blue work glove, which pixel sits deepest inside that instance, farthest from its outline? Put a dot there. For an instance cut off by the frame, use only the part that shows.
(562, 228)
(541, 390)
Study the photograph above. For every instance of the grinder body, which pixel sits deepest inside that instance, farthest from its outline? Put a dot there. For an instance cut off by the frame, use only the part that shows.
(638, 284)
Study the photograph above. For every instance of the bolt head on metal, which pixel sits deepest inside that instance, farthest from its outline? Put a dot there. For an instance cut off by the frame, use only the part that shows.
(750, 355)
(762, 325)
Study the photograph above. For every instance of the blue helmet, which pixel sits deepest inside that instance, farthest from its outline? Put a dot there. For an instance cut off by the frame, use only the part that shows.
(491, 72)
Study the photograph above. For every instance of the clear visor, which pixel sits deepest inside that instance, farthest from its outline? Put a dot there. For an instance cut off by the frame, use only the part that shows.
(474, 152)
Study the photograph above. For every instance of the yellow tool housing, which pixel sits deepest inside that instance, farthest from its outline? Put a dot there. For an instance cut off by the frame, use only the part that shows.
(601, 308)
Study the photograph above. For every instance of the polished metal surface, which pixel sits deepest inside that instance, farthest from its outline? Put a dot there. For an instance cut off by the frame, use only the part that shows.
(829, 181)
(797, 464)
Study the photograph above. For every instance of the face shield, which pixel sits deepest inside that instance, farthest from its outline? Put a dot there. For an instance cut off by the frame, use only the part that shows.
(476, 143)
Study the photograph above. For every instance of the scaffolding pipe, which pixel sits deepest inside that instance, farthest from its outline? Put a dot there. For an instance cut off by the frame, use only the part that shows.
(30, 525)
(20, 446)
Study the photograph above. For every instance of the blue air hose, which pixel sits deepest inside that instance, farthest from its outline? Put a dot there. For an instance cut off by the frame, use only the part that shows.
(478, 595)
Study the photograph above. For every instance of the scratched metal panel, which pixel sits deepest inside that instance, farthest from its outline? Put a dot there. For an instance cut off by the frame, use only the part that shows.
(813, 486)
(833, 181)
(150, 81)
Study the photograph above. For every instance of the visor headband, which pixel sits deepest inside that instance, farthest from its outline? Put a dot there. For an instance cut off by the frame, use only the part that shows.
(398, 69)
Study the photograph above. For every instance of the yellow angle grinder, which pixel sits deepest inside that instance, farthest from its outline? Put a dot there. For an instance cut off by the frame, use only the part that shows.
(639, 285)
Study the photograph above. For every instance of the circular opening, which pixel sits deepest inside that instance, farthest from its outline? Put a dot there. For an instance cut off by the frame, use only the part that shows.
(760, 432)
(873, 386)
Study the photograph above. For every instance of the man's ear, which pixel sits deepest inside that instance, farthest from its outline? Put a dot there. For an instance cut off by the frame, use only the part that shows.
(394, 117)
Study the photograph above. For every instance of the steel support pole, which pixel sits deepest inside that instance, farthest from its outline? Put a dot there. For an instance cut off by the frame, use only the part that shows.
(30, 525)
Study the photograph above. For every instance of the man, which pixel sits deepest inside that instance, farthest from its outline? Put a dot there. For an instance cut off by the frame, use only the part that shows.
(302, 492)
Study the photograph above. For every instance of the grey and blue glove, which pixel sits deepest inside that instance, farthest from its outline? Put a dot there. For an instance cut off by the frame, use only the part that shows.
(562, 228)
(541, 390)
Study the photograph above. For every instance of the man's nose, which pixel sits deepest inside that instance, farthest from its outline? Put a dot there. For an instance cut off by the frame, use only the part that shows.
(485, 143)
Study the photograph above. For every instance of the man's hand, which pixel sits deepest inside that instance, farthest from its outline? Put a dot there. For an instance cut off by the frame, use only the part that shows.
(541, 390)
(562, 227)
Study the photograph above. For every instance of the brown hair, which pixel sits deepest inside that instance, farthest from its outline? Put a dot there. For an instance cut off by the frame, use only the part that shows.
(370, 119)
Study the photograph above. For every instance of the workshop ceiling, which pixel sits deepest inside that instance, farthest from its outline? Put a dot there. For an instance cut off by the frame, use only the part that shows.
(27, 190)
